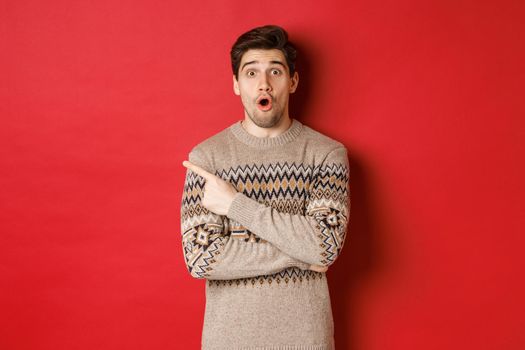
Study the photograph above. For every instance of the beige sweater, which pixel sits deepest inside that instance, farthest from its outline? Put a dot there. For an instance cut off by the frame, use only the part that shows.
(291, 210)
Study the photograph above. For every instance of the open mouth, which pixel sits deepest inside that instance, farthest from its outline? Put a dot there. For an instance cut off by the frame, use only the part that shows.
(264, 104)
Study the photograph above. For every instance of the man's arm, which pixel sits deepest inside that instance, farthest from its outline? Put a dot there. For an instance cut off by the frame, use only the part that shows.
(317, 237)
(211, 253)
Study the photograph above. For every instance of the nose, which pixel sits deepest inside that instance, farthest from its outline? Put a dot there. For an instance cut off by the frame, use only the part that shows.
(264, 83)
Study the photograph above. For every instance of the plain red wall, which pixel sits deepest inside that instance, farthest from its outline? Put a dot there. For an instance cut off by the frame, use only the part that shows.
(101, 101)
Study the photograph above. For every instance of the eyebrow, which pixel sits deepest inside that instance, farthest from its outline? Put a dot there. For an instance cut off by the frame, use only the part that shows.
(272, 62)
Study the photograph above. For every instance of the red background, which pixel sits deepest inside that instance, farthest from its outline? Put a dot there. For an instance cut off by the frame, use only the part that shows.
(101, 101)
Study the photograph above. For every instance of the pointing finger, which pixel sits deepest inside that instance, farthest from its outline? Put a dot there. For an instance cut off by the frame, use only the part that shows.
(197, 169)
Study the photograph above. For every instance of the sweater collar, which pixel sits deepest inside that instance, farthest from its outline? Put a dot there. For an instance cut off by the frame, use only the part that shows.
(264, 142)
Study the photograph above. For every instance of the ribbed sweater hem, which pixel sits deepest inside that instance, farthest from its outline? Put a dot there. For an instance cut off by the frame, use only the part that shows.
(275, 347)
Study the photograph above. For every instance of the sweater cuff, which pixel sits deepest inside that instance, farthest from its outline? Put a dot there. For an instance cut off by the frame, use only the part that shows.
(242, 209)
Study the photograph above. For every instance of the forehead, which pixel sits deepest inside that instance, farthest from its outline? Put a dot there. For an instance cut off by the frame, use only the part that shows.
(263, 56)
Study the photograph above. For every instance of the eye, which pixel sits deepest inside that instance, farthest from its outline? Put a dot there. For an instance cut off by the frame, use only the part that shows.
(250, 73)
(276, 71)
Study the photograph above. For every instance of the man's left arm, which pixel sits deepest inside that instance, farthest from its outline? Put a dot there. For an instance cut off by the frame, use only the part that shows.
(317, 237)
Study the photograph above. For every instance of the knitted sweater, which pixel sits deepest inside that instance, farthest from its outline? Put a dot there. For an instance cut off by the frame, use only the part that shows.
(291, 210)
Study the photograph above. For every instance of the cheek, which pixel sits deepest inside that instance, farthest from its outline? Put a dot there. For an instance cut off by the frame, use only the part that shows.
(283, 93)
(245, 92)
(245, 98)
(283, 87)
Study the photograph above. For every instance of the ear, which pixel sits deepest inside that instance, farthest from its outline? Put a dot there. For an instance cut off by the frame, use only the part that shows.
(236, 86)
(295, 82)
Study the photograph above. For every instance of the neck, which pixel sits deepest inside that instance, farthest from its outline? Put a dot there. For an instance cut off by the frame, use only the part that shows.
(274, 131)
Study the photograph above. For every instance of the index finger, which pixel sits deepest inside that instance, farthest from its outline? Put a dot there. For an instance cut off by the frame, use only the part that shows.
(197, 169)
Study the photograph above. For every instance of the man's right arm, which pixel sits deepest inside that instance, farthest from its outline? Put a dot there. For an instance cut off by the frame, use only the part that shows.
(210, 252)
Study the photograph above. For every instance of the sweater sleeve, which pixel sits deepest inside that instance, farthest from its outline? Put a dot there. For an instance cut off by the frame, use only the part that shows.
(209, 250)
(316, 237)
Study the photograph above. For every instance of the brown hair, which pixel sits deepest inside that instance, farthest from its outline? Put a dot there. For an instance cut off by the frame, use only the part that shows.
(265, 37)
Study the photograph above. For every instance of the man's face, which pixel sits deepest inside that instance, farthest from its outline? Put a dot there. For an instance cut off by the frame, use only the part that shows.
(264, 85)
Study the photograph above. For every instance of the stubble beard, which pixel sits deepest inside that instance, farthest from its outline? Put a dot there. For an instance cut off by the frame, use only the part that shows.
(265, 119)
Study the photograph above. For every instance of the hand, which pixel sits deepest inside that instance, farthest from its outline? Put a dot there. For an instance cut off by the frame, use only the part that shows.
(318, 268)
(218, 194)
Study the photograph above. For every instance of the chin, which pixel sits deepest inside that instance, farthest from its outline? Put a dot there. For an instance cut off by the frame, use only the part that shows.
(267, 121)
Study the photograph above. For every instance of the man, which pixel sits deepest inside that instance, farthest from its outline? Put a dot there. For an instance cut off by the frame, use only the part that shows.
(264, 211)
